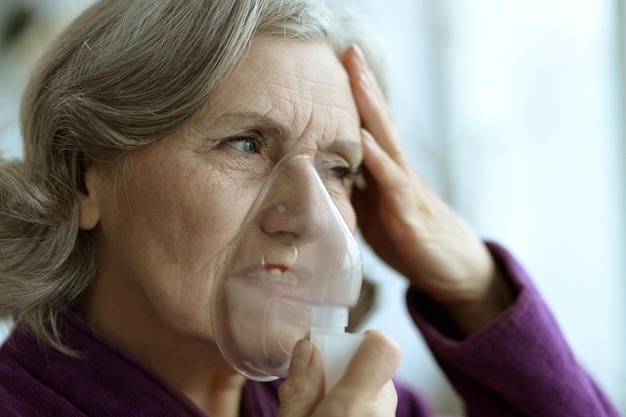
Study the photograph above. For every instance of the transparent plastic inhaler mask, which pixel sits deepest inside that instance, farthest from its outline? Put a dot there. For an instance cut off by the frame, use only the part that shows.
(294, 270)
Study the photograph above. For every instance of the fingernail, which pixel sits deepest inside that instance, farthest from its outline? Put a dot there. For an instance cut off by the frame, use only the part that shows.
(301, 356)
(360, 182)
(364, 79)
(359, 53)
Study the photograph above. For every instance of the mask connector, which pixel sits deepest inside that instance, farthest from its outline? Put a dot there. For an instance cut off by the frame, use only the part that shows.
(336, 347)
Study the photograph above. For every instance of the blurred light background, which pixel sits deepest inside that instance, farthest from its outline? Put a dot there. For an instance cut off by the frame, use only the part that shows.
(514, 112)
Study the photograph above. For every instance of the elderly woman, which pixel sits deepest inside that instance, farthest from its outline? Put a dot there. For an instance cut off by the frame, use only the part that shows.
(150, 128)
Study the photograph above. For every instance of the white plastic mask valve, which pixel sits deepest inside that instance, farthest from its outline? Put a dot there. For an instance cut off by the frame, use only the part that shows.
(336, 347)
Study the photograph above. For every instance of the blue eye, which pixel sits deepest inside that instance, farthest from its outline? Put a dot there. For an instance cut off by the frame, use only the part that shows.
(244, 144)
(338, 171)
(341, 172)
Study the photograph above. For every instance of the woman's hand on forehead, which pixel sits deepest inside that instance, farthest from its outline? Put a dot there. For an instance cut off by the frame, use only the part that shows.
(409, 226)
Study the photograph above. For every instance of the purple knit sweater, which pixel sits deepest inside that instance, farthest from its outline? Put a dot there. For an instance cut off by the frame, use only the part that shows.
(518, 366)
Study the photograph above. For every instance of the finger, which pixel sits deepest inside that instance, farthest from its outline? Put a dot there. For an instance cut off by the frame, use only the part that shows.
(380, 165)
(355, 62)
(304, 387)
(373, 108)
(372, 366)
(387, 399)
(389, 175)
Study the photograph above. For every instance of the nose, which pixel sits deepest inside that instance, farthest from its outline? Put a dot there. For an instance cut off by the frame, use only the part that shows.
(297, 205)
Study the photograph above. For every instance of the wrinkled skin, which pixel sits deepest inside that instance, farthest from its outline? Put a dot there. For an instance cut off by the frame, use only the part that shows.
(164, 221)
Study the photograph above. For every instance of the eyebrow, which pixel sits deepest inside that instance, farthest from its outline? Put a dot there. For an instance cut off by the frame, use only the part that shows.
(284, 132)
(259, 120)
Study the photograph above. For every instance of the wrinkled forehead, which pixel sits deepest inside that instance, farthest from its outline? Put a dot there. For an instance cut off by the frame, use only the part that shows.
(299, 88)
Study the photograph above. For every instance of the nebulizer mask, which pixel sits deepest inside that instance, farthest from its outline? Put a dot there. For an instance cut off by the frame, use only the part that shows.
(293, 272)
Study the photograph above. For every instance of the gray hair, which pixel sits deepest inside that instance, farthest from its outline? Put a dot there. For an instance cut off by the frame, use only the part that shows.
(124, 74)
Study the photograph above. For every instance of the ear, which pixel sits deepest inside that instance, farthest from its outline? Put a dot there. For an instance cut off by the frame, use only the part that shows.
(88, 205)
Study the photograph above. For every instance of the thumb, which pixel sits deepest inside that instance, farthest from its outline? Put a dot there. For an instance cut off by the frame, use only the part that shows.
(304, 387)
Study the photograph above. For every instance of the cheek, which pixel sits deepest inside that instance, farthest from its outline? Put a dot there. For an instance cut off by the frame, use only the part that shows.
(164, 233)
(347, 212)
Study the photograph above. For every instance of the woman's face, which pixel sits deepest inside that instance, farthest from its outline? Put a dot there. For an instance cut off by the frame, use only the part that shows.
(165, 221)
